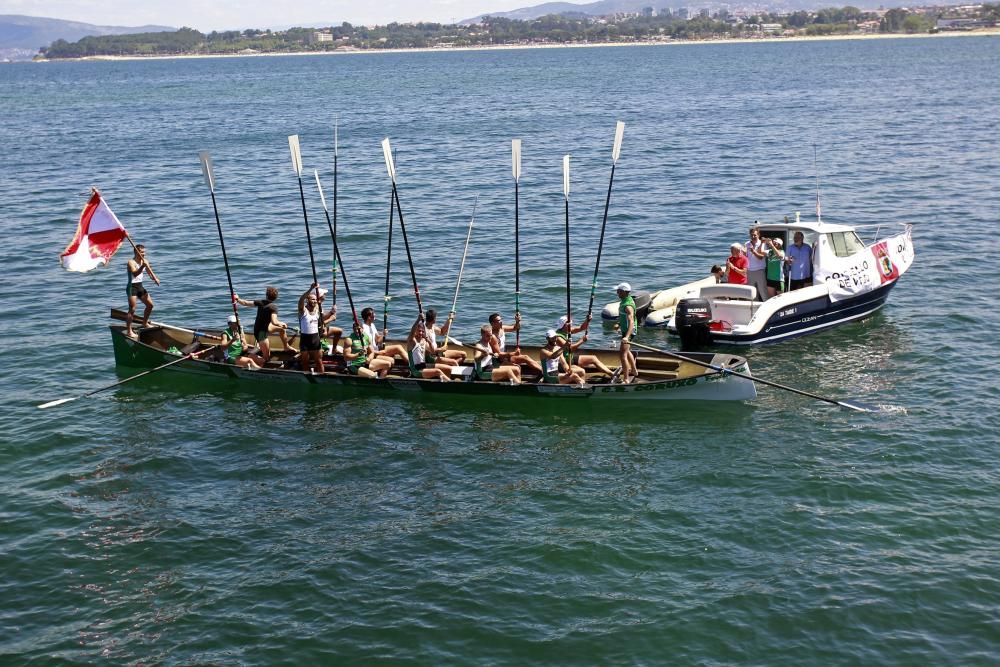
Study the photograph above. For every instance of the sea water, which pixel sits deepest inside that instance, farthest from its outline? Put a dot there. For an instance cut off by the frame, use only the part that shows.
(178, 522)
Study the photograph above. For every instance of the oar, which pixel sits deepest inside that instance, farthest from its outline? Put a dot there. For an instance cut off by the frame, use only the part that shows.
(60, 401)
(844, 404)
(343, 271)
(461, 269)
(569, 310)
(391, 168)
(388, 265)
(336, 124)
(615, 152)
(332, 227)
(209, 173)
(515, 155)
(293, 146)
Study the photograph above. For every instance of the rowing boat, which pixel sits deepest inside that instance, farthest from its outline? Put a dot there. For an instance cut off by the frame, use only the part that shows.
(660, 377)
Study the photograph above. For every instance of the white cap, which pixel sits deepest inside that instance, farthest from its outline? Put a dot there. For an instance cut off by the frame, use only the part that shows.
(322, 292)
(232, 319)
(551, 333)
(623, 287)
(777, 242)
(561, 322)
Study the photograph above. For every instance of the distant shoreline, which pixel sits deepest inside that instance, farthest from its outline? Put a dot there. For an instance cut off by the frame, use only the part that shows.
(987, 32)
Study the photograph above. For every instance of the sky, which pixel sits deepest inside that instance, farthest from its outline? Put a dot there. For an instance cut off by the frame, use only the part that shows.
(208, 15)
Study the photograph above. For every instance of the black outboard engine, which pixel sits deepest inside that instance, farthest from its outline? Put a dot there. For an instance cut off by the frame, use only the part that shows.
(693, 318)
(643, 300)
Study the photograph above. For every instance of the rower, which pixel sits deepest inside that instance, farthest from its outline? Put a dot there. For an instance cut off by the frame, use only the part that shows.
(564, 327)
(487, 363)
(357, 354)
(419, 368)
(555, 370)
(500, 330)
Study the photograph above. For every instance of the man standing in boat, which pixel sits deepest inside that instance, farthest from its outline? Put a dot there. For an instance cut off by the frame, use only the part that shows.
(626, 325)
(267, 322)
(799, 259)
(757, 263)
(311, 320)
(736, 266)
(135, 290)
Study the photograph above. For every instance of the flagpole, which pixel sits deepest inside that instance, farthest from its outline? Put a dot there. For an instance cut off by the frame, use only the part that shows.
(149, 269)
(206, 170)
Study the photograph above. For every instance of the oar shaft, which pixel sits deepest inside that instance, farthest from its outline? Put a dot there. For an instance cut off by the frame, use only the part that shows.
(746, 377)
(305, 217)
(461, 270)
(388, 266)
(225, 259)
(569, 309)
(128, 379)
(409, 256)
(600, 243)
(335, 254)
(517, 265)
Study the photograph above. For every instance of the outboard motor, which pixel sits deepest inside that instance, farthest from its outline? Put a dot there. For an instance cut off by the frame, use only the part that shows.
(643, 300)
(693, 318)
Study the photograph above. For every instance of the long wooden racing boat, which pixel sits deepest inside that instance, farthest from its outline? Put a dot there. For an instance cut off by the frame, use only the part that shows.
(660, 377)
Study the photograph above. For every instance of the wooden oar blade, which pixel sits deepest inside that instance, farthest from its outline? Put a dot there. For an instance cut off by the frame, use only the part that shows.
(52, 404)
(293, 147)
(390, 166)
(206, 170)
(566, 176)
(515, 151)
(319, 186)
(617, 150)
(859, 406)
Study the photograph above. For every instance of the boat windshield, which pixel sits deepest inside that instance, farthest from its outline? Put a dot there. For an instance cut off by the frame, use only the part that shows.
(845, 244)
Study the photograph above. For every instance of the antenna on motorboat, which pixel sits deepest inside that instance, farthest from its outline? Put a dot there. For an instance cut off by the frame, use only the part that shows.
(819, 214)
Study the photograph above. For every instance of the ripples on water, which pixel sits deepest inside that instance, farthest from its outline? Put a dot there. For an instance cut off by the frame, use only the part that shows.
(181, 522)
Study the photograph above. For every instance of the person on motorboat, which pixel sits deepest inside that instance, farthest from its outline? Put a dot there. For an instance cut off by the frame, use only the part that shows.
(487, 363)
(718, 273)
(757, 263)
(564, 328)
(736, 265)
(499, 343)
(554, 367)
(775, 268)
(799, 260)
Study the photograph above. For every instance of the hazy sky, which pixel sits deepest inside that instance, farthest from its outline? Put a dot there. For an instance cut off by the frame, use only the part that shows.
(207, 15)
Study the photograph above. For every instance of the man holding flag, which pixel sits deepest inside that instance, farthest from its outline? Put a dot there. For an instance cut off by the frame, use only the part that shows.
(98, 236)
(135, 290)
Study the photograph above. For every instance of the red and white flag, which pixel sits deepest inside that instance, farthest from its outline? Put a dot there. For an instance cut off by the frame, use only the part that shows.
(97, 239)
